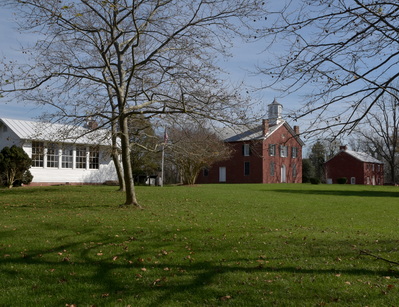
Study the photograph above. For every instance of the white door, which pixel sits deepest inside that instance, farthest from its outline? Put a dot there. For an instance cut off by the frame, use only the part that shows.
(222, 174)
(283, 173)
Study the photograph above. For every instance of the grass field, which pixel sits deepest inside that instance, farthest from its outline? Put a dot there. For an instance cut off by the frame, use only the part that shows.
(210, 245)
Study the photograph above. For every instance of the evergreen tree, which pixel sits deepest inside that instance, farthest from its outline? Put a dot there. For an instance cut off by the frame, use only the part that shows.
(317, 159)
(14, 166)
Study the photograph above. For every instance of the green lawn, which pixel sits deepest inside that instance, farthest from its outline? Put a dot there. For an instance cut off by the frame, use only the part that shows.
(210, 245)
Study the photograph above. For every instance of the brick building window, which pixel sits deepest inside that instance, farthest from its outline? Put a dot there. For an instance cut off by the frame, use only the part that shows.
(294, 152)
(272, 150)
(283, 151)
(246, 150)
(246, 168)
(272, 168)
(37, 154)
(205, 172)
(294, 171)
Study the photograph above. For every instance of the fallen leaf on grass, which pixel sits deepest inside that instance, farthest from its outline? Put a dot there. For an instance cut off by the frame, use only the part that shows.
(157, 281)
(225, 298)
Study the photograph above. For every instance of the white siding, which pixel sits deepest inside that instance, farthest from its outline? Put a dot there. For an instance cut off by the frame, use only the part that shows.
(106, 171)
(8, 137)
(54, 175)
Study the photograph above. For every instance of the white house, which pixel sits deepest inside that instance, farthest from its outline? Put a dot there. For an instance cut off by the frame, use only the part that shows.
(61, 154)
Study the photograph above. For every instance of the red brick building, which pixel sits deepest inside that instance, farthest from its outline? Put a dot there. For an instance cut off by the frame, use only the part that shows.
(356, 167)
(268, 153)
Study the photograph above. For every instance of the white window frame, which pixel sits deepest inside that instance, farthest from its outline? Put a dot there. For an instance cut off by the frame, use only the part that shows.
(94, 158)
(81, 157)
(37, 154)
(53, 155)
(67, 157)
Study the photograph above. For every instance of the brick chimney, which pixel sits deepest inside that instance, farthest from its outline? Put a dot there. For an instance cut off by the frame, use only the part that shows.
(343, 148)
(91, 124)
(265, 126)
(296, 130)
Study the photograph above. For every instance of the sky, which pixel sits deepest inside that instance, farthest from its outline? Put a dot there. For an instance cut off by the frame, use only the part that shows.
(238, 67)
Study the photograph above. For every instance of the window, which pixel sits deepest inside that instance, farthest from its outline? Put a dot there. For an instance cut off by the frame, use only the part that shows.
(353, 180)
(373, 167)
(246, 150)
(52, 155)
(272, 167)
(37, 154)
(272, 150)
(294, 152)
(283, 151)
(246, 168)
(378, 167)
(294, 170)
(94, 158)
(206, 172)
(67, 158)
(81, 157)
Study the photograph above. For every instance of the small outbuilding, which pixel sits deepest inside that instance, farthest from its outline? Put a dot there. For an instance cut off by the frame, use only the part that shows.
(356, 167)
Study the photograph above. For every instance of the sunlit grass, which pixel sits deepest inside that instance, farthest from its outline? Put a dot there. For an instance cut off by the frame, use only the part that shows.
(282, 245)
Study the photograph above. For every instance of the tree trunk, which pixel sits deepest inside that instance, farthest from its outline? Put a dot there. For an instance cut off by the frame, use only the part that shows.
(126, 163)
(119, 170)
(115, 158)
(392, 171)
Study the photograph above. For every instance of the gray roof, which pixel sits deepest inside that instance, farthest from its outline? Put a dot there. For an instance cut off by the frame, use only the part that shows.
(363, 157)
(255, 133)
(42, 131)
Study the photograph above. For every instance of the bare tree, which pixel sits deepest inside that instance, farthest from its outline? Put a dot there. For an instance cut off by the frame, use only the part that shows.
(380, 133)
(193, 148)
(114, 59)
(342, 53)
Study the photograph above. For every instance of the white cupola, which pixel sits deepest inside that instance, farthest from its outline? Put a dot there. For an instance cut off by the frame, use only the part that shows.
(275, 111)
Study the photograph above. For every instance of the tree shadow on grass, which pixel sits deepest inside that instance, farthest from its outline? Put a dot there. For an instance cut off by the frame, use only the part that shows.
(364, 193)
(106, 270)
